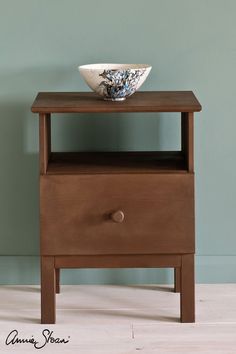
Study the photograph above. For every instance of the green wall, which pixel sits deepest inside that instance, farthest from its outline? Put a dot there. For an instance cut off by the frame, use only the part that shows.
(191, 46)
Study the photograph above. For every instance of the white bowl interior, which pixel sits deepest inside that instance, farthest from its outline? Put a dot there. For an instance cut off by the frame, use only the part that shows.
(113, 66)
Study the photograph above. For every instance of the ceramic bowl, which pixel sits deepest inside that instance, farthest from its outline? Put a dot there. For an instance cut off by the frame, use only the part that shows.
(115, 81)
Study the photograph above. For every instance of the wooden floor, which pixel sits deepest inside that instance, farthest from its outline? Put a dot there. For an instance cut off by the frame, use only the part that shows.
(108, 319)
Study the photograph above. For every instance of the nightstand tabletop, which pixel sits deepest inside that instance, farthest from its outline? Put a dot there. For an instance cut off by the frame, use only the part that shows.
(89, 102)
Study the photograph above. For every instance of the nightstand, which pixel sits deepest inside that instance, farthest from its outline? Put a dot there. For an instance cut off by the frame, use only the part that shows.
(117, 209)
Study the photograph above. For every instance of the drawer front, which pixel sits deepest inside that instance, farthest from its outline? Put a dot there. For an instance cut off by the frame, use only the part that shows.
(78, 214)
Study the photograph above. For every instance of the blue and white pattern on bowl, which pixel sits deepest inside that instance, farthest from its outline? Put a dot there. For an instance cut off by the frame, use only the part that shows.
(115, 81)
(118, 84)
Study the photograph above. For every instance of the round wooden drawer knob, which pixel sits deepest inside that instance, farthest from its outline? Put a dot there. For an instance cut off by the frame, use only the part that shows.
(118, 216)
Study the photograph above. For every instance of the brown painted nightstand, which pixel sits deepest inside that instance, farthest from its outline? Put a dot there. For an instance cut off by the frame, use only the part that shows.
(117, 209)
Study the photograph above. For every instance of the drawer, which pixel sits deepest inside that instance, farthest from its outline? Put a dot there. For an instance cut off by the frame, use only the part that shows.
(82, 214)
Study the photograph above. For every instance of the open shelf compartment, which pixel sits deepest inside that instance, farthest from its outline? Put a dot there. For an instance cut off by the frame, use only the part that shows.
(116, 162)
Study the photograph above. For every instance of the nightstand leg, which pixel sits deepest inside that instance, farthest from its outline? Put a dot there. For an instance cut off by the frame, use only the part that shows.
(177, 280)
(58, 281)
(187, 291)
(48, 289)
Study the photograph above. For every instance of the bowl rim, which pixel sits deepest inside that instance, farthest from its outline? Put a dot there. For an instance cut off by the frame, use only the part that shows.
(113, 66)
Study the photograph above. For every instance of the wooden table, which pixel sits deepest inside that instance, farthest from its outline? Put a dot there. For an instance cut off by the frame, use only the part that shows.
(116, 209)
